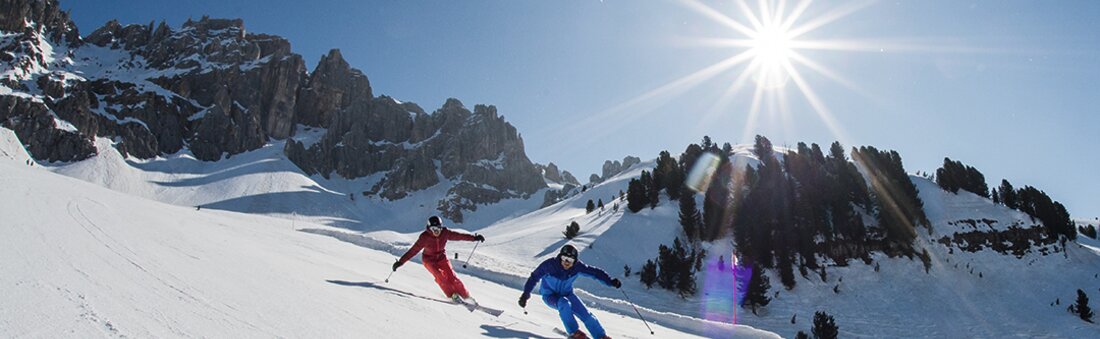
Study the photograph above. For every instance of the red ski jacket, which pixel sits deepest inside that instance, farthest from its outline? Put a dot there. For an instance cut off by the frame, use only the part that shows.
(434, 247)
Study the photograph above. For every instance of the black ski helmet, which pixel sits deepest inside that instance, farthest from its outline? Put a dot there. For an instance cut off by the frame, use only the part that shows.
(568, 251)
(434, 221)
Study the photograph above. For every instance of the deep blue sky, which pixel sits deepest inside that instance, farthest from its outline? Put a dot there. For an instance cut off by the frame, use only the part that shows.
(1006, 86)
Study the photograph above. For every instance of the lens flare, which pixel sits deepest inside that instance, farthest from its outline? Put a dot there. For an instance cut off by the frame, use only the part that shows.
(702, 173)
(724, 286)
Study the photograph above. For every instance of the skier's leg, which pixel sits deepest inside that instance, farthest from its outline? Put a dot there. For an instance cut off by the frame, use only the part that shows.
(590, 321)
(451, 279)
(433, 268)
(561, 304)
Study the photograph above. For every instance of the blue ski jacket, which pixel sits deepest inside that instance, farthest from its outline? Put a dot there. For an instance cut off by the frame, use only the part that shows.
(558, 280)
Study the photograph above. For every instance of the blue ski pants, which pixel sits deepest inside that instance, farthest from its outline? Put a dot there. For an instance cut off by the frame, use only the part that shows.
(569, 308)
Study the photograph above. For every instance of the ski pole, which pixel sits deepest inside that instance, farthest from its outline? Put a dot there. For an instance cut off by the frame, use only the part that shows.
(388, 276)
(636, 311)
(471, 254)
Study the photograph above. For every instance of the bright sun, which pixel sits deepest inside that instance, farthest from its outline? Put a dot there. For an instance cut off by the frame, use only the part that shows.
(771, 48)
(769, 40)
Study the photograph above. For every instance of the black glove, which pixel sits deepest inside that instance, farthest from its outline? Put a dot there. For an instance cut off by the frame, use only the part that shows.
(523, 300)
(616, 283)
(479, 237)
(397, 264)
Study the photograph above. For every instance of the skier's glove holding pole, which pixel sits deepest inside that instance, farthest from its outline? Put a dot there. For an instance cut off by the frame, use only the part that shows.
(616, 283)
(479, 238)
(523, 300)
(397, 264)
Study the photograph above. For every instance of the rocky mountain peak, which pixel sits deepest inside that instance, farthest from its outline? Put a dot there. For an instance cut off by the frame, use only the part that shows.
(38, 15)
(611, 168)
(333, 86)
(217, 90)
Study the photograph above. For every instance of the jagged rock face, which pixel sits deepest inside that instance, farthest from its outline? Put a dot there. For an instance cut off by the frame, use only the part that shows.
(332, 87)
(478, 149)
(150, 88)
(568, 178)
(552, 174)
(34, 125)
(225, 72)
(554, 196)
(44, 15)
(611, 168)
(217, 90)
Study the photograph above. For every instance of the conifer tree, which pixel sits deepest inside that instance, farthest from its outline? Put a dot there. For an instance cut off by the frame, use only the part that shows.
(1081, 308)
(572, 230)
(685, 277)
(762, 148)
(652, 194)
(649, 273)
(689, 217)
(824, 326)
(893, 188)
(665, 165)
(757, 294)
(666, 268)
(1008, 195)
(786, 269)
(635, 196)
(668, 175)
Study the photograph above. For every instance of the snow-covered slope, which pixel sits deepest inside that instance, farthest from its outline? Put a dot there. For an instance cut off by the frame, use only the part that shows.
(995, 295)
(982, 294)
(83, 261)
(265, 182)
(10, 148)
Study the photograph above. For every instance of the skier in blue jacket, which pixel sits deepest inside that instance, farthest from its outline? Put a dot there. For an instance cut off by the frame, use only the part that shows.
(557, 275)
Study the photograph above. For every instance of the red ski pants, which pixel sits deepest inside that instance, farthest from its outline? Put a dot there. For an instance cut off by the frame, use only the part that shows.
(445, 278)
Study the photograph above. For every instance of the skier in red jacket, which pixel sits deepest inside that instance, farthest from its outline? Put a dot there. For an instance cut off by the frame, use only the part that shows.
(434, 242)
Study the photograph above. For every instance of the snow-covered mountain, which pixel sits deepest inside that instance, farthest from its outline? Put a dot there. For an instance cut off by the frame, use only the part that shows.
(996, 294)
(211, 89)
(84, 261)
(249, 197)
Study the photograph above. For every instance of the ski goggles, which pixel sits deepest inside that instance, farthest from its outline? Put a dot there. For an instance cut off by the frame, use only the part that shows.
(568, 260)
(435, 228)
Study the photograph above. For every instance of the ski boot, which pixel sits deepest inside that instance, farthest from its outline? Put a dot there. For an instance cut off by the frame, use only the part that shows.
(578, 335)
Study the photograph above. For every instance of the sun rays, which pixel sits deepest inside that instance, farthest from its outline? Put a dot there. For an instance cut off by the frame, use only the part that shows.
(763, 78)
(771, 34)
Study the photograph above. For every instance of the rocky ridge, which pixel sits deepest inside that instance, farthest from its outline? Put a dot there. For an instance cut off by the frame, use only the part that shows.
(214, 89)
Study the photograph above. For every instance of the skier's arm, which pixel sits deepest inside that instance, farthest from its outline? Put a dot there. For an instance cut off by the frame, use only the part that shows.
(534, 279)
(595, 273)
(412, 251)
(453, 235)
